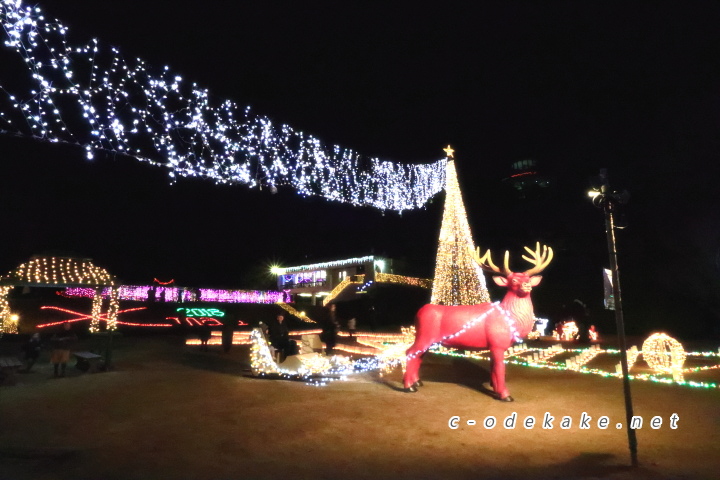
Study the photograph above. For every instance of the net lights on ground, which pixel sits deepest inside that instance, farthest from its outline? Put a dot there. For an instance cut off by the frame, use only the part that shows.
(577, 363)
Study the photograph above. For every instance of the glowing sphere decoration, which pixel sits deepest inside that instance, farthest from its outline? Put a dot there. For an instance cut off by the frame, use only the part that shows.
(663, 353)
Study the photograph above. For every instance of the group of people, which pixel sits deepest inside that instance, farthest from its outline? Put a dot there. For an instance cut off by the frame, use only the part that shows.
(204, 332)
(279, 334)
(61, 342)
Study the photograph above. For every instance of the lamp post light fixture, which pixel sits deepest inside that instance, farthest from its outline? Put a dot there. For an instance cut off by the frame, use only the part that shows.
(608, 201)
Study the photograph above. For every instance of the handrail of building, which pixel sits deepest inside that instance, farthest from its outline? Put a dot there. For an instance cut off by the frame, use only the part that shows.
(341, 286)
(412, 281)
(292, 311)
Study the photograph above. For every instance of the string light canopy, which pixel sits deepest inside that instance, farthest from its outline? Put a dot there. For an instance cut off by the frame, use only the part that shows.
(57, 271)
(91, 95)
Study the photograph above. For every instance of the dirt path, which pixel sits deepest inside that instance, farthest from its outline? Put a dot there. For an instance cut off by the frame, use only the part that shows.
(172, 412)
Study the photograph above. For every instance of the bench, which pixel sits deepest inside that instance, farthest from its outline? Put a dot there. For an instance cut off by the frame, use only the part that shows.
(9, 367)
(87, 361)
(310, 344)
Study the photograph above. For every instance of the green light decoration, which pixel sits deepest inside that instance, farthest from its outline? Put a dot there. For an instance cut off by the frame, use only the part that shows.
(656, 378)
(202, 312)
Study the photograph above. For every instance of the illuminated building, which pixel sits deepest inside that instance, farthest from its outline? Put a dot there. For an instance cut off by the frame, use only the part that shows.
(364, 288)
(314, 282)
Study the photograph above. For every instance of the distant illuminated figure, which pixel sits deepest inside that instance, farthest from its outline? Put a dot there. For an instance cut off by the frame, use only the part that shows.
(593, 334)
(569, 331)
(539, 330)
(541, 325)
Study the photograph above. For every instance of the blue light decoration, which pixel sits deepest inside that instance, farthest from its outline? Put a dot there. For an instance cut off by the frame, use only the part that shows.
(90, 95)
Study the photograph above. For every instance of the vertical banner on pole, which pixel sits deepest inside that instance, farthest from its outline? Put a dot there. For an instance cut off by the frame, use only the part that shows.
(608, 288)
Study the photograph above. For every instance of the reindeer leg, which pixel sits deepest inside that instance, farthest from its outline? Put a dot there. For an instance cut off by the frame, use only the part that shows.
(497, 357)
(411, 380)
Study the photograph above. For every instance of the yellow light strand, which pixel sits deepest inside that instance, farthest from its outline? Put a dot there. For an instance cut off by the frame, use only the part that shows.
(96, 311)
(341, 286)
(458, 279)
(292, 311)
(412, 281)
(4, 308)
(113, 309)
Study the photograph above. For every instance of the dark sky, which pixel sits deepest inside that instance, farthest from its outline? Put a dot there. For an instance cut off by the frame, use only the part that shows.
(630, 86)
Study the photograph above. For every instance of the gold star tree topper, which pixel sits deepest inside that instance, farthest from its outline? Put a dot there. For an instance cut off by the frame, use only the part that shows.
(449, 151)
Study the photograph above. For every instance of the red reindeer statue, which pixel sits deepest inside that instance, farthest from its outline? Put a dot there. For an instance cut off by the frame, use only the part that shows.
(487, 325)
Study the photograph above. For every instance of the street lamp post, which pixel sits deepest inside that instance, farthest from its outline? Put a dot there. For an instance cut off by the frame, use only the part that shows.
(608, 202)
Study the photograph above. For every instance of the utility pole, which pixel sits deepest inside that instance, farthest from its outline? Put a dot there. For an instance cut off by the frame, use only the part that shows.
(608, 201)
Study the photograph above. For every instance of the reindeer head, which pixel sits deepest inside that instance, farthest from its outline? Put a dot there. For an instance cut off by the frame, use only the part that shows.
(519, 283)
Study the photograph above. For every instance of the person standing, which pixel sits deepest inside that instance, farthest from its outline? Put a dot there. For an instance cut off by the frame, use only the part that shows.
(280, 337)
(62, 342)
(228, 330)
(32, 351)
(330, 330)
(204, 332)
(351, 326)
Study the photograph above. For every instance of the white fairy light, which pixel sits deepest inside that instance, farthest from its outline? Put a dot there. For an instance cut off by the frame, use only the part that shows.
(156, 117)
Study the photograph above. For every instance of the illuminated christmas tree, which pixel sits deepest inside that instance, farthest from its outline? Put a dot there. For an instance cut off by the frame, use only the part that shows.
(458, 279)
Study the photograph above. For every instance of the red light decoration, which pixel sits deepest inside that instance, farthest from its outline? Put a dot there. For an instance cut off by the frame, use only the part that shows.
(199, 321)
(61, 322)
(163, 283)
(80, 316)
(523, 174)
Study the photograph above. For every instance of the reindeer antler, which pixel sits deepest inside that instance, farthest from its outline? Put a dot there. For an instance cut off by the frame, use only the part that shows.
(485, 262)
(540, 258)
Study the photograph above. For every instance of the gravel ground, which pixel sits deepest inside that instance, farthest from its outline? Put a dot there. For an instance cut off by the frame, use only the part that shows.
(169, 411)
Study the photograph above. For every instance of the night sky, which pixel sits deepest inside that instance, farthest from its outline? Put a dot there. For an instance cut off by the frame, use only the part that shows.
(576, 86)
